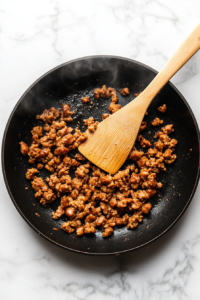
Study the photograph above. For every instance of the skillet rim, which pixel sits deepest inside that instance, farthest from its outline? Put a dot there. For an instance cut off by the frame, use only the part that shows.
(4, 172)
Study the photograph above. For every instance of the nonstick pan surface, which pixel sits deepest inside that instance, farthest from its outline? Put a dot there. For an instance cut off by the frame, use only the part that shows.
(68, 83)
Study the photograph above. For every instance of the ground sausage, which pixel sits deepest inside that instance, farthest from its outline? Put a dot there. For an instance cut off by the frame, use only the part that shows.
(91, 199)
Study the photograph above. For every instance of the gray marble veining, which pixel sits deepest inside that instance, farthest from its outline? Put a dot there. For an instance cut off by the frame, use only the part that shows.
(38, 35)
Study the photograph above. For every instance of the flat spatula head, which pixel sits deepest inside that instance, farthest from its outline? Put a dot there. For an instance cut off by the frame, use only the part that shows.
(109, 146)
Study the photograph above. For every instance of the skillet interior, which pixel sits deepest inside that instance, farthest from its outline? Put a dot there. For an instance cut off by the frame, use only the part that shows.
(67, 84)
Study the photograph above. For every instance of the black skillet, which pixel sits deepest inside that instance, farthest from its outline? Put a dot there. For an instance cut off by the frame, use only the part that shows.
(67, 84)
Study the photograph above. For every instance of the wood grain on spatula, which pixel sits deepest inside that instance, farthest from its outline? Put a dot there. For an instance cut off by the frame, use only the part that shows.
(109, 146)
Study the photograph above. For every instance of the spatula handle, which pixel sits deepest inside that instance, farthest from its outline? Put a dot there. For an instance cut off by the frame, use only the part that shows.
(189, 47)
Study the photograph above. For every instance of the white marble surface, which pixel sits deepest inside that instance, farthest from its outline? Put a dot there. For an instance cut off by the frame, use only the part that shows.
(40, 34)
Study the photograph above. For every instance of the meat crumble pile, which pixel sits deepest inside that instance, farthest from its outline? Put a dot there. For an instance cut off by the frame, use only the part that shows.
(93, 198)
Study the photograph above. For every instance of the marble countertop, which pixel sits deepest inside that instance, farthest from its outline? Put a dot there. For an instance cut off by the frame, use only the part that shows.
(35, 36)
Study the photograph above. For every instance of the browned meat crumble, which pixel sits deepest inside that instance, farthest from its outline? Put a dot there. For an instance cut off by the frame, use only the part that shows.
(162, 108)
(105, 116)
(24, 148)
(94, 199)
(85, 99)
(91, 124)
(157, 122)
(124, 91)
(143, 126)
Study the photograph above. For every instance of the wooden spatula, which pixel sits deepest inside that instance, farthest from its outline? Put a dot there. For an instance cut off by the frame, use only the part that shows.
(109, 146)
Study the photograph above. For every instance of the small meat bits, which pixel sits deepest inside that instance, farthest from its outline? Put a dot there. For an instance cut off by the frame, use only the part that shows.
(91, 199)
